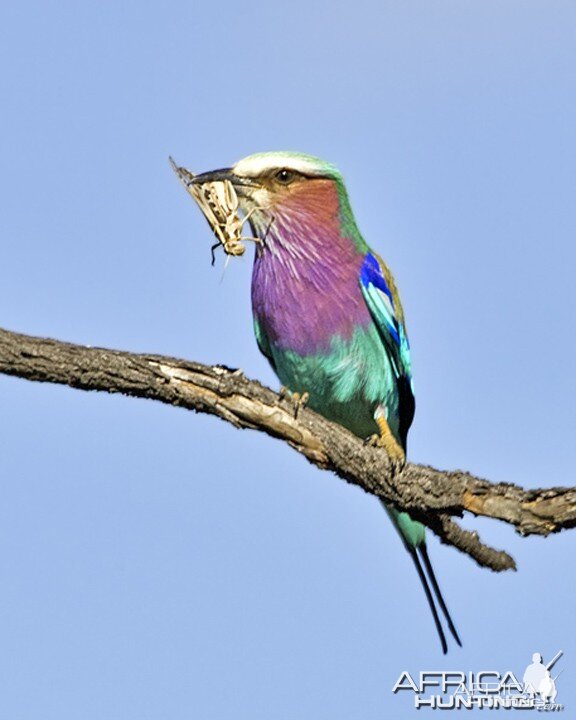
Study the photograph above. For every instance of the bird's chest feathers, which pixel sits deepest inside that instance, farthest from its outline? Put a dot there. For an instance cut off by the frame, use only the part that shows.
(305, 291)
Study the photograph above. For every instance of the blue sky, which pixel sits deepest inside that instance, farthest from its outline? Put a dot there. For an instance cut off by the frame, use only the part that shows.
(157, 564)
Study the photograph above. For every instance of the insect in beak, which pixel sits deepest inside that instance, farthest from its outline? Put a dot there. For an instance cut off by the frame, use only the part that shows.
(215, 195)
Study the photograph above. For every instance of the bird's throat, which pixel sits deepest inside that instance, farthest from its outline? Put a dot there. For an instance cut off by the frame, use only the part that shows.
(305, 282)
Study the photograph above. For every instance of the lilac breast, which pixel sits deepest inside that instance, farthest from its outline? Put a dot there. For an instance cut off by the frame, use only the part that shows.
(305, 288)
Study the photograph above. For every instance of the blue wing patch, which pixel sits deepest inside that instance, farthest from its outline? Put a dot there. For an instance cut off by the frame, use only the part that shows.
(371, 275)
(379, 297)
(371, 272)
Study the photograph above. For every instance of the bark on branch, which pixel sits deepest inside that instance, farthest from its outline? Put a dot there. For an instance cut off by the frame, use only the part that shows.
(431, 496)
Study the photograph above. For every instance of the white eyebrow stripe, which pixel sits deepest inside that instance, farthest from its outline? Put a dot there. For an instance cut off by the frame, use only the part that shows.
(256, 165)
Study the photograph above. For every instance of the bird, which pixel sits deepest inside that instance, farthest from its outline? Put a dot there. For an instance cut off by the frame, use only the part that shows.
(328, 317)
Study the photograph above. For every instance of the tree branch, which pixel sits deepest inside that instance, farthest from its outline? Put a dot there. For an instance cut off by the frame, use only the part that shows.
(431, 496)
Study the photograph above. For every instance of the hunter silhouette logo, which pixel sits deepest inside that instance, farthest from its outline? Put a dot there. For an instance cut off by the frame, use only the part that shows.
(538, 681)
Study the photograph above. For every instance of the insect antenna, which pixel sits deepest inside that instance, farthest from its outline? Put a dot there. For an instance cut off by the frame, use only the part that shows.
(213, 254)
(225, 268)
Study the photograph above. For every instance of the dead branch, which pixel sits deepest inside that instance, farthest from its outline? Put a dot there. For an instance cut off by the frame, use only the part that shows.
(431, 496)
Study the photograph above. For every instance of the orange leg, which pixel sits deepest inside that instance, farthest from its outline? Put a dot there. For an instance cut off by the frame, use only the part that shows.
(386, 440)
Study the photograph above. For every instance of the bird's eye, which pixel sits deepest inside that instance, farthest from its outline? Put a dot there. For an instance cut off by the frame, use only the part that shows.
(284, 176)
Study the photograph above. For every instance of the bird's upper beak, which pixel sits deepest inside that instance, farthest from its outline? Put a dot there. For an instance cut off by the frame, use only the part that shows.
(237, 181)
(214, 176)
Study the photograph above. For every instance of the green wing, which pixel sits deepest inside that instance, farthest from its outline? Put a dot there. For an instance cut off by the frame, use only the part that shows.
(383, 301)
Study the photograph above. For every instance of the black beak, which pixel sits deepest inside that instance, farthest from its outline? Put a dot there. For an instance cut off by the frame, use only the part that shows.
(239, 183)
(223, 174)
(214, 176)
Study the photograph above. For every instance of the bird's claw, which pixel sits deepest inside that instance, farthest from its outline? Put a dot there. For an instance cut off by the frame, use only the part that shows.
(297, 400)
(393, 450)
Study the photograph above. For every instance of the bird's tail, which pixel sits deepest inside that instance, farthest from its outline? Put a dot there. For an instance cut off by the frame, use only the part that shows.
(414, 539)
(423, 550)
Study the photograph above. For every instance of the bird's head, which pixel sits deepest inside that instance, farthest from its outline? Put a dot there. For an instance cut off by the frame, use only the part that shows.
(288, 190)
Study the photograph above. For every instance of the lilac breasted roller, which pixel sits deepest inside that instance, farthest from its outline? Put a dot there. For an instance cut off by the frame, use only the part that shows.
(328, 316)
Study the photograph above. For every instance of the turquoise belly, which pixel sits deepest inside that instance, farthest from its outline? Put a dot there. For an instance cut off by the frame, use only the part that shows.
(347, 383)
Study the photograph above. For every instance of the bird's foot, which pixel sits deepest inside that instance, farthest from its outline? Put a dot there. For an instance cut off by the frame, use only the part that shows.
(297, 400)
(386, 440)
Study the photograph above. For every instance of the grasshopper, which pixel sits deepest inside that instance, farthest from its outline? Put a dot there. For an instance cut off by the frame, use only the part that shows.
(218, 202)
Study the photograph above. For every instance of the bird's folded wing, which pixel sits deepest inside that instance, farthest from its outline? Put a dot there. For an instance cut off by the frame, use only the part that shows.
(383, 302)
